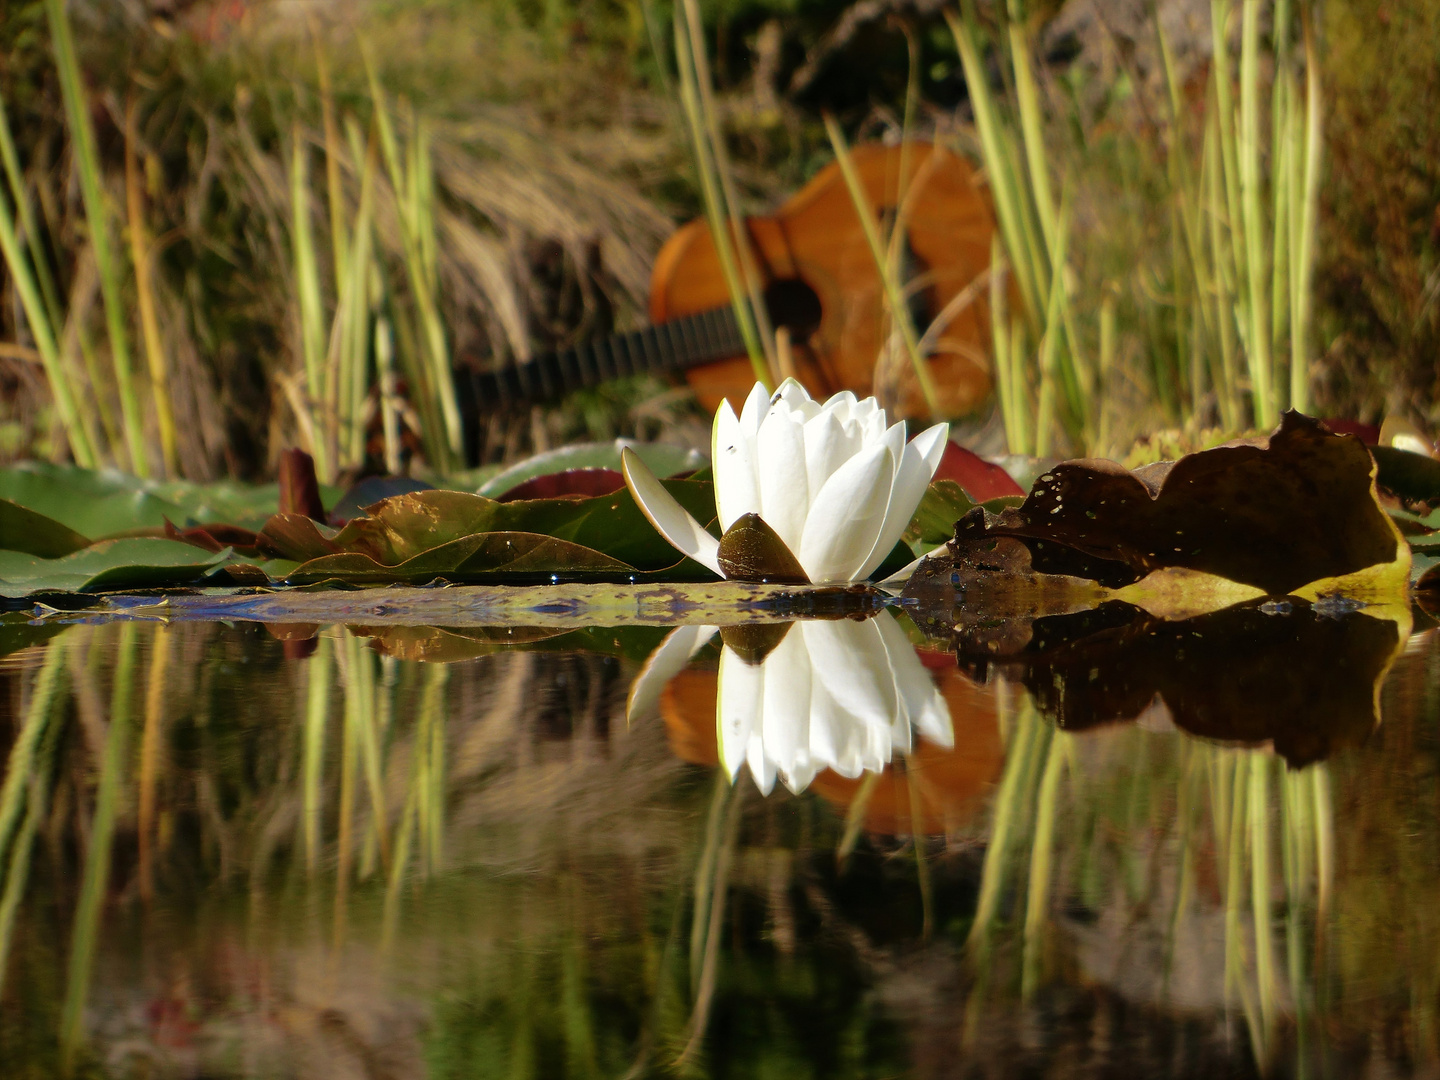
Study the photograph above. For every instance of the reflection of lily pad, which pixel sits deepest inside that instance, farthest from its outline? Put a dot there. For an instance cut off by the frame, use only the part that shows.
(1304, 679)
(447, 645)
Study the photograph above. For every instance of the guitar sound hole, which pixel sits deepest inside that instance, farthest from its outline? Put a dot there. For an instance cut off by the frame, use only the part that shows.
(795, 306)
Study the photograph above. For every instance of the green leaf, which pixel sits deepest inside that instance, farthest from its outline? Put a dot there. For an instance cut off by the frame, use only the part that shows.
(110, 564)
(407, 525)
(943, 504)
(478, 555)
(103, 502)
(24, 530)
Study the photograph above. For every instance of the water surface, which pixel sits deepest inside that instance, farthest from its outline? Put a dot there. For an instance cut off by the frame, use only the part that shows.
(1095, 847)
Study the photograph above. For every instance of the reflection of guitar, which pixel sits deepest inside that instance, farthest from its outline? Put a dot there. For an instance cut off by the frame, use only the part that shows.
(821, 284)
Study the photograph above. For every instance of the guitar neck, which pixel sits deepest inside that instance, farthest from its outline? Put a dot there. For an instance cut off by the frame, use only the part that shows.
(670, 346)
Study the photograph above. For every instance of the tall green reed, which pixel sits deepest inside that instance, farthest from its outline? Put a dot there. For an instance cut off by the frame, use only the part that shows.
(98, 215)
(717, 189)
(1230, 296)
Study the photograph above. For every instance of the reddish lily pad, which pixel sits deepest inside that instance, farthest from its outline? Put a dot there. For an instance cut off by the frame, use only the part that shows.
(572, 483)
(981, 480)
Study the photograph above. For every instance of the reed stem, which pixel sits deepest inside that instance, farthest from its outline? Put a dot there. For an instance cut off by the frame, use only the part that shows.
(97, 215)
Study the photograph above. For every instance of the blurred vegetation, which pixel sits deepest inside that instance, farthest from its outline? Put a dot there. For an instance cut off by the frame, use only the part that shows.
(540, 157)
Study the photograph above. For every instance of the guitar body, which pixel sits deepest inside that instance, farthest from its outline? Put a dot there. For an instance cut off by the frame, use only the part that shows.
(821, 281)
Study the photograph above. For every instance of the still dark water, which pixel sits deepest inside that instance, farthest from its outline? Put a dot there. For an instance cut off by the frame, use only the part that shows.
(1092, 848)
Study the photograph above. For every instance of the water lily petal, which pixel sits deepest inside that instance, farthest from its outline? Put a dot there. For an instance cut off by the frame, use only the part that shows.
(829, 443)
(786, 709)
(841, 404)
(732, 457)
(670, 519)
(737, 709)
(846, 515)
(849, 658)
(757, 403)
(924, 706)
(784, 490)
(762, 769)
(795, 399)
(662, 665)
(918, 462)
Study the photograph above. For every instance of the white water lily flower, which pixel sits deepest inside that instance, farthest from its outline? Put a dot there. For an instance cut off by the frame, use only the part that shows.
(839, 695)
(834, 481)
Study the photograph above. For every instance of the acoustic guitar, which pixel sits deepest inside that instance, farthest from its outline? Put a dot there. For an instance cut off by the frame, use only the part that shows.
(821, 286)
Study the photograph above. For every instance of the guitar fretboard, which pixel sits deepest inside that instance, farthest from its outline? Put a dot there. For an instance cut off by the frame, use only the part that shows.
(670, 346)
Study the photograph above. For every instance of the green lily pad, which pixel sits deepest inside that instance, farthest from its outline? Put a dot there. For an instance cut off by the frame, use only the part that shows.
(104, 502)
(401, 528)
(943, 504)
(108, 565)
(22, 529)
(478, 555)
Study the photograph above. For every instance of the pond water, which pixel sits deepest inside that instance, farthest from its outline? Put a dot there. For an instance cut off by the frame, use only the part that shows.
(1094, 846)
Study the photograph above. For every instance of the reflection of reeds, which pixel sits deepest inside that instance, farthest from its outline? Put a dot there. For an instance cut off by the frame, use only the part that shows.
(98, 854)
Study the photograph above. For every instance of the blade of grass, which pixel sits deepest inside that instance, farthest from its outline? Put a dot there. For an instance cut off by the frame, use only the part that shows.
(711, 193)
(744, 251)
(1302, 260)
(1050, 347)
(1006, 381)
(1003, 186)
(307, 287)
(334, 148)
(29, 226)
(1107, 366)
(1257, 345)
(97, 214)
(34, 308)
(447, 443)
(893, 289)
(142, 256)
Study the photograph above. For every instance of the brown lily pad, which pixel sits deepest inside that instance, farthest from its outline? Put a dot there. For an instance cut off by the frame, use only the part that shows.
(1276, 514)
(1300, 677)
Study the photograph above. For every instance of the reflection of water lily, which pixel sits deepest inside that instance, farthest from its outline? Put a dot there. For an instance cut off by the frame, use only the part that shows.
(833, 481)
(839, 695)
